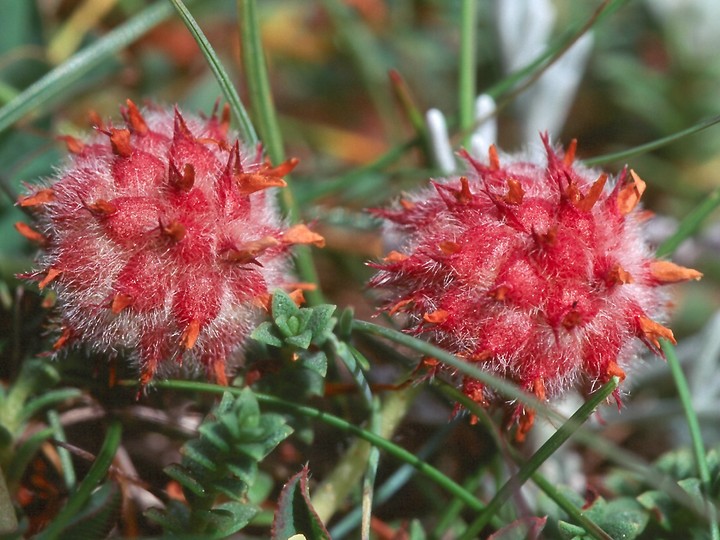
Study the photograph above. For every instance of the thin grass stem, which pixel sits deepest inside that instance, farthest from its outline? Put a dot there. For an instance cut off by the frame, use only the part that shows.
(698, 446)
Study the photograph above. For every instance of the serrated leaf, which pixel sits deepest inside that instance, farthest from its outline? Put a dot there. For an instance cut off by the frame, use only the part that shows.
(194, 453)
(295, 514)
(213, 436)
(233, 488)
(185, 479)
(175, 517)
(659, 504)
(240, 515)
(265, 333)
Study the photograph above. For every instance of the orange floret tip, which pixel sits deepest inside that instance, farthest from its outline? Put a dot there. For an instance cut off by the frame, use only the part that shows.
(394, 256)
(669, 272)
(42, 196)
(653, 331)
(190, 334)
(515, 192)
(135, 119)
(120, 302)
(301, 234)
(51, 275)
(436, 317)
(74, 146)
(630, 195)
(31, 234)
(120, 142)
(569, 156)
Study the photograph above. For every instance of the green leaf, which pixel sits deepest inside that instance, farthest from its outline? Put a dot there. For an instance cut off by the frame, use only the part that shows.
(99, 516)
(64, 77)
(185, 479)
(321, 323)
(301, 341)
(234, 516)
(265, 333)
(283, 306)
(82, 494)
(246, 128)
(295, 514)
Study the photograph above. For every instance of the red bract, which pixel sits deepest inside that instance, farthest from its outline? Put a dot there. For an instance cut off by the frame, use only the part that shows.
(159, 238)
(536, 272)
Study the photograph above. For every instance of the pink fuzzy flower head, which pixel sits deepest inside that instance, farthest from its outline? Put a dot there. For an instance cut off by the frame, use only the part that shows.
(536, 272)
(159, 238)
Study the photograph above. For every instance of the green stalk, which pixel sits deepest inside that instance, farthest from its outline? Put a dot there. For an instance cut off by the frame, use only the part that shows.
(54, 83)
(65, 457)
(468, 46)
(263, 108)
(690, 224)
(246, 128)
(334, 421)
(508, 389)
(652, 145)
(694, 429)
(538, 458)
(95, 475)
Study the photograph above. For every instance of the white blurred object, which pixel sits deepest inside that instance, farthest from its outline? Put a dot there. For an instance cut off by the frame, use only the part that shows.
(524, 29)
(440, 140)
(546, 105)
(486, 132)
(484, 135)
(692, 26)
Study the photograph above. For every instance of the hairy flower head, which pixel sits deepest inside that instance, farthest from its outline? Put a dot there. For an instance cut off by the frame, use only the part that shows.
(159, 237)
(536, 272)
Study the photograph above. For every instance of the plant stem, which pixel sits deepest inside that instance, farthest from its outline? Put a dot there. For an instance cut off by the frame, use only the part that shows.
(538, 458)
(223, 79)
(334, 421)
(468, 45)
(261, 103)
(694, 429)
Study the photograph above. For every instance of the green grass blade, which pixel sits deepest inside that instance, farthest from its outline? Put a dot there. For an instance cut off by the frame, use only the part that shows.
(228, 89)
(652, 145)
(97, 472)
(61, 79)
(468, 54)
(259, 92)
(263, 108)
(698, 446)
(538, 458)
(339, 423)
(690, 224)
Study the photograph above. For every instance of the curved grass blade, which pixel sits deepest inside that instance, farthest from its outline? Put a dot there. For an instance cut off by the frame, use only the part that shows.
(97, 472)
(334, 421)
(538, 458)
(58, 81)
(694, 428)
(246, 128)
(690, 224)
(652, 145)
(261, 103)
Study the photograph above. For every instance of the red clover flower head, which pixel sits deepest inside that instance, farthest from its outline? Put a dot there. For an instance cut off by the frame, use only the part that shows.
(159, 237)
(536, 272)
